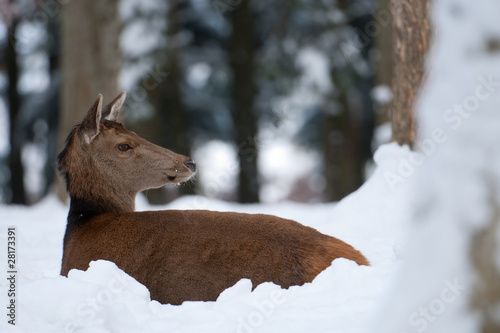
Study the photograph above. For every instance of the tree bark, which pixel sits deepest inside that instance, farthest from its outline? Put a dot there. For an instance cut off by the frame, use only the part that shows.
(91, 60)
(411, 32)
(383, 63)
(242, 53)
(18, 193)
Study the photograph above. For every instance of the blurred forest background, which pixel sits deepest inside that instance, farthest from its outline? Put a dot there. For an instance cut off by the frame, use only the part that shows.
(275, 100)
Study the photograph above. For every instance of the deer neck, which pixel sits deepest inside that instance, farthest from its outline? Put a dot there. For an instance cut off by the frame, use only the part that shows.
(91, 197)
(100, 205)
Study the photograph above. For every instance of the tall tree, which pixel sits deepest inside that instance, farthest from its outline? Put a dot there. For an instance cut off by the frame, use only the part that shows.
(91, 59)
(383, 61)
(411, 34)
(18, 194)
(242, 49)
(344, 156)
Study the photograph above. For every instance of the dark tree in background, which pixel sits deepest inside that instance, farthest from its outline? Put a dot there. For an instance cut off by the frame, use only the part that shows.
(347, 126)
(32, 34)
(411, 33)
(50, 105)
(242, 47)
(18, 194)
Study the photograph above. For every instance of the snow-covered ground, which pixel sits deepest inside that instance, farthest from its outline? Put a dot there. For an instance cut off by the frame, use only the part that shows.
(344, 298)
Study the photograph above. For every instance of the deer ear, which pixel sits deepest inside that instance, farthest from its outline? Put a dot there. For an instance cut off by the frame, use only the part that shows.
(112, 110)
(91, 121)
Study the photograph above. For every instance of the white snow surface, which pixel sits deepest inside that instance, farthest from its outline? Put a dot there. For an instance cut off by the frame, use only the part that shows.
(343, 298)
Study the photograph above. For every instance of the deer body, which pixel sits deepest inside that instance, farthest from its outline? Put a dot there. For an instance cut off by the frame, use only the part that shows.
(178, 255)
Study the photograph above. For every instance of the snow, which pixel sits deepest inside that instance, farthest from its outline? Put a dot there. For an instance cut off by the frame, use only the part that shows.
(343, 298)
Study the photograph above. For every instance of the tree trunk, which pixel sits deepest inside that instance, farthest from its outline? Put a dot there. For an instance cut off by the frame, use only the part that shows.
(411, 33)
(18, 193)
(344, 155)
(242, 52)
(383, 64)
(91, 60)
(347, 131)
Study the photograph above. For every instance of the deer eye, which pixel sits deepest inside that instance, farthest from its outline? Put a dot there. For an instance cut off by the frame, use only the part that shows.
(124, 147)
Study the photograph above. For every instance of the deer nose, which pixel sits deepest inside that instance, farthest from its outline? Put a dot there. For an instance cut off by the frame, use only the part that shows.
(191, 165)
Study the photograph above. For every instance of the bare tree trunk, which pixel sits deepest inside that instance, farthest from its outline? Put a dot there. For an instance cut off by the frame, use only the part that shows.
(242, 52)
(91, 60)
(383, 65)
(347, 131)
(411, 32)
(344, 155)
(18, 193)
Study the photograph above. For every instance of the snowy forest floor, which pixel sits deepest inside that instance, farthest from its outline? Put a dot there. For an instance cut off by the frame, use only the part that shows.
(344, 298)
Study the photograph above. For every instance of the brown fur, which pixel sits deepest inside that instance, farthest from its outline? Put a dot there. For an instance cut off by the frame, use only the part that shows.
(178, 255)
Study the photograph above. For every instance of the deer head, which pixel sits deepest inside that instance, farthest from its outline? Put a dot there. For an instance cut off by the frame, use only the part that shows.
(104, 161)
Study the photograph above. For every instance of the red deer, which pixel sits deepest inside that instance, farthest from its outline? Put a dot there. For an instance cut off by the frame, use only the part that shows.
(179, 255)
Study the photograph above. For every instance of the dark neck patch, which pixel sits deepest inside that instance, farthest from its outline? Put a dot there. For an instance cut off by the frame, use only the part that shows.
(80, 212)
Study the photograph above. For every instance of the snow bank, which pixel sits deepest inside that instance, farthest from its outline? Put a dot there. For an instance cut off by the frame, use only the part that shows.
(344, 298)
